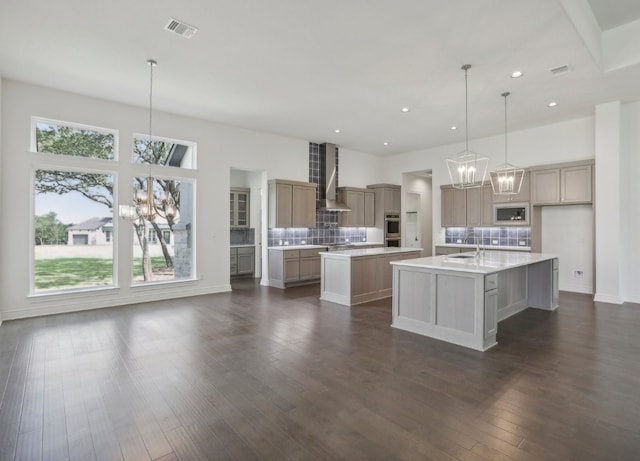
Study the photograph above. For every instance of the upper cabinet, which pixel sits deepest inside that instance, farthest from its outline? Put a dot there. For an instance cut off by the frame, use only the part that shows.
(454, 207)
(292, 204)
(362, 204)
(239, 207)
(466, 207)
(387, 201)
(562, 186)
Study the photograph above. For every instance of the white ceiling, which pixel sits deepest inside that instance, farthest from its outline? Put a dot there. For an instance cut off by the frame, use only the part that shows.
(304, 68)
(614, 13)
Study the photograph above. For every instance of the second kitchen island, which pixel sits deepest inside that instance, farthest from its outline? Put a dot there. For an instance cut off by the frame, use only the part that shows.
(357, 276)
(461, 298)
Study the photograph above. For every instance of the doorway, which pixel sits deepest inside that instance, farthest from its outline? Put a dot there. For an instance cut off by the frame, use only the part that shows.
(417, 211)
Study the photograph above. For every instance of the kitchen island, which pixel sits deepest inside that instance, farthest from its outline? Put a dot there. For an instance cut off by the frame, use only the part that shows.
(357, 276)
(461, 298)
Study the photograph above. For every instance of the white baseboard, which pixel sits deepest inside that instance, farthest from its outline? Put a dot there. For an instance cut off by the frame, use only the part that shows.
(75, 303)
(607, 299)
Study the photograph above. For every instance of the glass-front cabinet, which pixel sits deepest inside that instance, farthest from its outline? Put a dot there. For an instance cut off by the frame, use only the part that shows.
(239, 207)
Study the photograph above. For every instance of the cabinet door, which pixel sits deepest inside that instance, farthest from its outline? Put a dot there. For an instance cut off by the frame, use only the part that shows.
(369, 209)
(392, 200)
(310, 268)
(545, 187)
(304, 207)
(459, 207)
(446, 207)
(354, 200)
(490, 313)
(291, 270)
(246, 260)
(281, 202)
(242, 209)
(233, 261)
(576, 184)
(487, 206)
(474, 207)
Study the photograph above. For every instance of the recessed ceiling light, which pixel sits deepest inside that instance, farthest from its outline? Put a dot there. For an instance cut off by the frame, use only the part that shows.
(517, 74)
(385, 143)
(337, 130)
(405, 109)
(454, 127)
(552, 104)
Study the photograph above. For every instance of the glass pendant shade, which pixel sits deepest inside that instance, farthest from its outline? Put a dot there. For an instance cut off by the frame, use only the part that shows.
(506, 179)
(467, 169)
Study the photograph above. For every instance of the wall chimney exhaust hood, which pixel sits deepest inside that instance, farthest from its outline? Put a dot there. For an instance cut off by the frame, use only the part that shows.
(328, 180)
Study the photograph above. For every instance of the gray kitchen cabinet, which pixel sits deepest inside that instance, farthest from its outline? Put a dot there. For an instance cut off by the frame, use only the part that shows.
(242, 260)
(387, 199)
(362, 204)
(575, 184)
(453, 207)
(239, 207)
(309, 264)
(479, 206)
(369, 209)
(523, 196)
(570, 184)
(294, 267)
(292, 204)
(490, 307)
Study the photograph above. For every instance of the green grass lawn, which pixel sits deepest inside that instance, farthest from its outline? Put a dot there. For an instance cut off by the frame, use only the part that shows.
(62, 273)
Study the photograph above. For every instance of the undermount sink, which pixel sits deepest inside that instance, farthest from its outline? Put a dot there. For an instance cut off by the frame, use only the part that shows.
(461, 256)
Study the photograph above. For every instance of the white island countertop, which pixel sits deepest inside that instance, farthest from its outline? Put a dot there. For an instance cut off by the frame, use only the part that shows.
(486, 263)
(356, 252)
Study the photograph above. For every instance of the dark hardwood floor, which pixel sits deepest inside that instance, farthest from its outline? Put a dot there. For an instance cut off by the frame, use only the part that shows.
(262, 373)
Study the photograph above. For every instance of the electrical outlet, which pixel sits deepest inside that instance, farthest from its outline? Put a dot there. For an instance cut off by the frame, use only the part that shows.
(494, 242)
(578, 274)
(459, 241)
(522, 243)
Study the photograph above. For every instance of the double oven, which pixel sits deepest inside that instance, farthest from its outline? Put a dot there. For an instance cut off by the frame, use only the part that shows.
(391, 230)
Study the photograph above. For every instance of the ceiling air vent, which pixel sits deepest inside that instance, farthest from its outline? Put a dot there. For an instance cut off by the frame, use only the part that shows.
(560, 70)
(181, 28)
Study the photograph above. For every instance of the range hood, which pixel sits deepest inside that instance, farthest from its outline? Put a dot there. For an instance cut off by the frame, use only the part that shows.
(328, 180)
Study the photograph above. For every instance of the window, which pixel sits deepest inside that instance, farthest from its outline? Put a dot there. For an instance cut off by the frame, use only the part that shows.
(164, 152)
(162, 246)
(66, 139)
(72, 249)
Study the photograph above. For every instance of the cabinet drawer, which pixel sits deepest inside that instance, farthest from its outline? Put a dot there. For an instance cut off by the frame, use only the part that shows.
(233, 258)
(291, 254)
(310, 253)
(490, 282)
(246, 250)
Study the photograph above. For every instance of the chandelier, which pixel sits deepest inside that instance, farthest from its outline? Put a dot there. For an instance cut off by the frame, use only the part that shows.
(146, 205)
(506, 179)
(467, 169)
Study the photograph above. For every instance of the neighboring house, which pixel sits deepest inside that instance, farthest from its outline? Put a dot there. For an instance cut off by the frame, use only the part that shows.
(94, 231)
(99, 231)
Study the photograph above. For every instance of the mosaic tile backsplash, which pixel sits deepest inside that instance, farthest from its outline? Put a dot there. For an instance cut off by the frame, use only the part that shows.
(488, 236)
(326, 230)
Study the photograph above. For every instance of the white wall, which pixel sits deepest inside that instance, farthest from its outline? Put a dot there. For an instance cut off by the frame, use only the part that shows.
(566, 232)
(630, 201)
(219, 148)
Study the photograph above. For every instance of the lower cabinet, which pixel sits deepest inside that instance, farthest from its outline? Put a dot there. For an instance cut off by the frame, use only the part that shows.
(242, 260)
(490, 305)
(294, 267)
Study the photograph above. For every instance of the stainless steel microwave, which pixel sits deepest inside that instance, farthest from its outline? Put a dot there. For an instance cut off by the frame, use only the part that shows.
(511, 214)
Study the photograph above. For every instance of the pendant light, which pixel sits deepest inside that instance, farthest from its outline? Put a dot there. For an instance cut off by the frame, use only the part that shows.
(467, 169)
(506, 179)
(144, 198)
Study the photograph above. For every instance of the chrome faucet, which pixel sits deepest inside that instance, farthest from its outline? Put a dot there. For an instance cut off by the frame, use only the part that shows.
(466, 240)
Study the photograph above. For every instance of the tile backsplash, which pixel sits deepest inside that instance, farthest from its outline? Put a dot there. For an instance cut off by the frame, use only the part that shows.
(326, 230)
(488, 236)
(242, 236)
